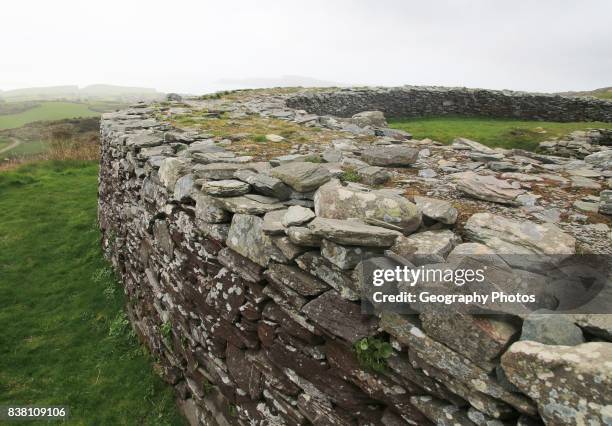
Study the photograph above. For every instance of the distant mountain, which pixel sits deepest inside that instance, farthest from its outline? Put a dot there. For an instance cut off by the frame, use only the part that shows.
(284, 81)
(97, 92)
(603, 93)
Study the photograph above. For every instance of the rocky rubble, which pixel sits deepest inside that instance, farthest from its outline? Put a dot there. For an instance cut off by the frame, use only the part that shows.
(241, 261)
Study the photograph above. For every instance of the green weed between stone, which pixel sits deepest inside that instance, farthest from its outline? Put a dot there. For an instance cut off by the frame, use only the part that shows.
(65, 339)
(491, 131)
(372, 353)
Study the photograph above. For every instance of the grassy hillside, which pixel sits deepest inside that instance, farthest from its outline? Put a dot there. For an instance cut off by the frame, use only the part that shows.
(603, 93)
(46, 111)
(65, 339)
(489, 131)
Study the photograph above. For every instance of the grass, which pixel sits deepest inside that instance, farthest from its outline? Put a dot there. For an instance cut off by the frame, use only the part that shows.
(65, 339)
(490, 131)
(27, 148)
(46, 111)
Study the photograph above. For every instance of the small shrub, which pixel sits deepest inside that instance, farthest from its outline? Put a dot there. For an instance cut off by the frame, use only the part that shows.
(166, 331)
(259, 138)
(350, 175)
(372, 353)
(233, 410)
(313, 159)
(119, 325)
(207, 387)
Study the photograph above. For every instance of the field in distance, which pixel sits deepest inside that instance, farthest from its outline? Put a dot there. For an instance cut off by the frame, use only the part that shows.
(493, 132)
(47, 111)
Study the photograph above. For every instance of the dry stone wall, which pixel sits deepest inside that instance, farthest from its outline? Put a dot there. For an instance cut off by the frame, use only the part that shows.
(242, 274)
(421, 101)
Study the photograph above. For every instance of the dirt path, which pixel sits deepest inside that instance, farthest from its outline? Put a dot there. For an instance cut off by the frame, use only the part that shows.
(15, 144)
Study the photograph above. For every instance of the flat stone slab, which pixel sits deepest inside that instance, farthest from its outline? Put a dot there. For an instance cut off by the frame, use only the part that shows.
(353, 233)
(303, 177)
(340, 317)
(245, 205)
(390, 156)
(225, 188)
(487, 188)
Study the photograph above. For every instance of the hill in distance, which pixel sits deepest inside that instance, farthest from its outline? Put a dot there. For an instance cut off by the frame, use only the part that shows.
(97, 92)
(603, 93)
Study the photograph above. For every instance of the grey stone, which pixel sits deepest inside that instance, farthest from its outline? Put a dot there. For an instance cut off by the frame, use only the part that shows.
(426, 247)
(502, 166)
(219, 157)
(272, 224)
(303, 236)
(438, 210)
(335, 201)
(353, 232)
(605, 203)
(470, 145)
(539, 243)
(345, 257)
(264, 184)
(208, 210)
(184, 188)
(302, 177)
(584, 182)
(441, 412)
(170, 170)
(225, 188)
(296, 279)
(571, 384)
(390, 156)
(369, 118)
(246, 237)
(373, 175)
(323, 269)
(601, 159)
(246, 205)
(427, 173)
(586, 206)
(297, 215)
(551, 329)
(219, 171)
(289, 250)
(340, 317)
(487, 188)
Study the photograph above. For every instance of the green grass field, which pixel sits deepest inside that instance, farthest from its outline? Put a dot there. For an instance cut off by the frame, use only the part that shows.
(46, 111)
(490, 131)
(65, 339)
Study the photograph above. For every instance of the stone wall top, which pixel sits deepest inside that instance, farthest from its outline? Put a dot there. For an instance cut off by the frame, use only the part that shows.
(421, 101)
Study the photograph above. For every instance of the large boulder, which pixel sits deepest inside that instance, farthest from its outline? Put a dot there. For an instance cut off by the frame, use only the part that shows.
(335, 201)
(247, 238)
(570, 384)
(390, 155)
(303, 177)
(488, 188)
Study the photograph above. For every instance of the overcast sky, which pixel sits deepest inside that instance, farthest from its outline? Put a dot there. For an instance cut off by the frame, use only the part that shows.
(189, 46)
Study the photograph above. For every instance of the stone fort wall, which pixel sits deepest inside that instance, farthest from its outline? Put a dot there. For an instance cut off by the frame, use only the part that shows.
(253, 314)
(421, 101)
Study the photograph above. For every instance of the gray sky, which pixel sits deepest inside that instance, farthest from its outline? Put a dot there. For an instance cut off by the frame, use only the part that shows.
(188, 46)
